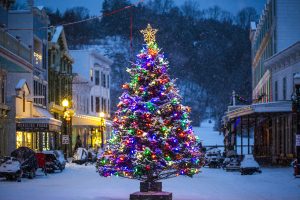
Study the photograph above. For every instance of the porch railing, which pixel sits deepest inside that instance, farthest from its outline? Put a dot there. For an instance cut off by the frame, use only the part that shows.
(15, 46)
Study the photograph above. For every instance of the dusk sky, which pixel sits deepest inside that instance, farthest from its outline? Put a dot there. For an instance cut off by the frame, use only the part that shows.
(94, 6)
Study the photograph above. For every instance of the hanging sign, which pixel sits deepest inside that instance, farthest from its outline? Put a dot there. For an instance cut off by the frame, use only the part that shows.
(65, 139)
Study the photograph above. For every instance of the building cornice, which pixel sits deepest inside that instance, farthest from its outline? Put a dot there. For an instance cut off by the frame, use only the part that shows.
(285, 57)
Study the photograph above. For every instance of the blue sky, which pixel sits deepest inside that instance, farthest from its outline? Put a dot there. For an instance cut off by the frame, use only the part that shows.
(94, 6)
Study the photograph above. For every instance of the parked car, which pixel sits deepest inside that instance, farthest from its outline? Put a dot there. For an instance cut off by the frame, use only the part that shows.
(10, 168)
(80, 156)
(52, 162)
(22, 162)
(249, 166)
(213, 158)
(61, 158)
(233, 165)
(92, 155)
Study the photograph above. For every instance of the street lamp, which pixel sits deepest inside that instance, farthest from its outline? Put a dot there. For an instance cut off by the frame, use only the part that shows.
(65, 104)
(101, 127)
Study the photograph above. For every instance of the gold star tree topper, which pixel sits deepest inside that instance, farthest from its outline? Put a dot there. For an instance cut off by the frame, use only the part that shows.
(149, 34)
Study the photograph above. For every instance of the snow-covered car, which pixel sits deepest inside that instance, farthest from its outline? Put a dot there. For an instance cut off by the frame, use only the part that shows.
(10, 168)
(92, 155)
(28, 160)
(61, 158)
(52, 162)
(233, 165)
(80, 156)
(213, 158)
(249, 165)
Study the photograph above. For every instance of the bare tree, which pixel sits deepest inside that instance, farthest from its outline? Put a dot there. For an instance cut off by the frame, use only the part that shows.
(245, 16)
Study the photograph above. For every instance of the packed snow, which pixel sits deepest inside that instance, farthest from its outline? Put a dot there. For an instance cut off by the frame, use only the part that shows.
(80, 182)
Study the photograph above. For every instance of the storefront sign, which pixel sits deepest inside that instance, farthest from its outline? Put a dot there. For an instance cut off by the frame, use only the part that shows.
(37, 127)
(65, 139)
(297, 140)
(32, 127)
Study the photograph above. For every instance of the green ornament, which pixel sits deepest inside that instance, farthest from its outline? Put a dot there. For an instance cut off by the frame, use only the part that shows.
(150, 106)
(168, 158)
(164, 129)
(174, 101)
(147, 151)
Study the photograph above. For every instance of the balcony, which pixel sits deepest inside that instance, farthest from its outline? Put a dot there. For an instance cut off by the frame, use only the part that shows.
(12, 44)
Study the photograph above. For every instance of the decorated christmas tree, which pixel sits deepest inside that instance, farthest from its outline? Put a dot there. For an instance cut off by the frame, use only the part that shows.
(152, 135)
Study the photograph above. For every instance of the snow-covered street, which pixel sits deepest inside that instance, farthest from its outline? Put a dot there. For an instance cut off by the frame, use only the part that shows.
(83, 183)
(79, 182)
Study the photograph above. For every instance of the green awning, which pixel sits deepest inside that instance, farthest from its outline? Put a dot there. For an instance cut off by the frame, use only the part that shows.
(10, 66)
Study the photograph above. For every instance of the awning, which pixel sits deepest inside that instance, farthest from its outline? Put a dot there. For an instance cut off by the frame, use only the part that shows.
(87, 120)
(260, 108)
(42, 121)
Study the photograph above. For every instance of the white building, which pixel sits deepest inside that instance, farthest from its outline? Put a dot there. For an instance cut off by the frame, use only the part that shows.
(277, 29)
(24, 57)
(275, 44)
(91, 96)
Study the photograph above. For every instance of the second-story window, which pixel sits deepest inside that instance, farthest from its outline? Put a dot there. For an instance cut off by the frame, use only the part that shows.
(284, 88)
(97, 78)
(91, 75)
(2, 89)
(24, 103)
(97, 104)
(107, 81)
(92, 103)
(276, 91)
(103, 79)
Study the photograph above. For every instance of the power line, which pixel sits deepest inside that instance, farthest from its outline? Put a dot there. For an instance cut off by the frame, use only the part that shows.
(83, 20)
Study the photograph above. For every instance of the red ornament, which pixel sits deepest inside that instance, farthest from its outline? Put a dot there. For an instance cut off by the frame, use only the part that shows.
(125, 86)
(141, 89)
(139, 132)
(153, 157)
(181, 134)
(147, 167)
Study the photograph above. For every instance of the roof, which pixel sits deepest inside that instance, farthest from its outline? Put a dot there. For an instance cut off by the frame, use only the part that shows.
(95, 53)
(282, 54)
(270, 107)
(20, 85)
(253, 26)
(57, 32)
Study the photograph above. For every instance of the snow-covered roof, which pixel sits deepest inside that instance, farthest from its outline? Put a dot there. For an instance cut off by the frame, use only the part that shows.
(297, 75)
(22, 84)
(58, 31)
(253, 26)
(40, 7)
(270, 107)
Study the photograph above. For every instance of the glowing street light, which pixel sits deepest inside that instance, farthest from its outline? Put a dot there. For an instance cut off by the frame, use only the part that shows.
(65, 103)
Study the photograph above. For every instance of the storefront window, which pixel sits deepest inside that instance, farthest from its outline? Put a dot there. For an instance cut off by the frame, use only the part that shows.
(19, 139)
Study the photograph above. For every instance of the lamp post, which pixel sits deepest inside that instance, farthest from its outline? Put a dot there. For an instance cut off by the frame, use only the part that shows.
(65, 104)
(101, 128)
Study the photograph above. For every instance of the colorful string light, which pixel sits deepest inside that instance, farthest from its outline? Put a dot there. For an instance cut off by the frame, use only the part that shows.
(153, 138)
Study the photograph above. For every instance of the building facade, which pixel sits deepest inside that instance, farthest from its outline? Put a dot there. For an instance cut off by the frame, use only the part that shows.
(32, 125)
(91, 96)
(275, 63)
(15, 71)
(277, 29)
(60, 81)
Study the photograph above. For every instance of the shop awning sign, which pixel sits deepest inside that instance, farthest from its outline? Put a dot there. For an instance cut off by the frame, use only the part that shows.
(36, 127)
(65, 139)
